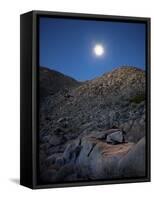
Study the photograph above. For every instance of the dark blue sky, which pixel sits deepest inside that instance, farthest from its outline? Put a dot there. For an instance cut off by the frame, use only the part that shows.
(66, 45)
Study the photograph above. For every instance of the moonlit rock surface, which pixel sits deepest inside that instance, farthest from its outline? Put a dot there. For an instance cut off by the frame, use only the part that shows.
(115, 138)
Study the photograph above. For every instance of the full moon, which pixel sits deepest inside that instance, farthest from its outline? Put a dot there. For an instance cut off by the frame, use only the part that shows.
(98, 50)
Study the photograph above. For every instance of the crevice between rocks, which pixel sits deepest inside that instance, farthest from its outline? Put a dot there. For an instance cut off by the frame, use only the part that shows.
(91, 150)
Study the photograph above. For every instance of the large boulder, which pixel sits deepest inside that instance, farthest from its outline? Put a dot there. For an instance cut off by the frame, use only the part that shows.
(133, 163)
(72, 151)
(99, 160)
(115, 137)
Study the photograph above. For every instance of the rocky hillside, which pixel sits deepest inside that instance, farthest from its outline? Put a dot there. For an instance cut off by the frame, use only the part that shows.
(92, 130)
(120, 84)
(52, 81)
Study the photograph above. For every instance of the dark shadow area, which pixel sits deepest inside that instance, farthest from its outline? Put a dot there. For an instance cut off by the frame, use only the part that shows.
(15, 180)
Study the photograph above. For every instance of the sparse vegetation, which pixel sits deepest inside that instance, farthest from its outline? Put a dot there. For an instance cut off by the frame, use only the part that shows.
(138, 98)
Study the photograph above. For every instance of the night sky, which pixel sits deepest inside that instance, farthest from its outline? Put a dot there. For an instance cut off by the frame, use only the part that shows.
(66, 45)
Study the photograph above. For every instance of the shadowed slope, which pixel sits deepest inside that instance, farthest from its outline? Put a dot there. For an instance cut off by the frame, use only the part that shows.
(52, 81)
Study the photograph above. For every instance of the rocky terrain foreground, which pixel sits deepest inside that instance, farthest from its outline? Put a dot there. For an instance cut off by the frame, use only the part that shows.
(94, 129)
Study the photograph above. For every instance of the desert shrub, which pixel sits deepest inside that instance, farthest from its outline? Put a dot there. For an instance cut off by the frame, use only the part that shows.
(138, 98)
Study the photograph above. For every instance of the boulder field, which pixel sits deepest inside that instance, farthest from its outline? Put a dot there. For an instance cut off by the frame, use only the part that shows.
(94, 129)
